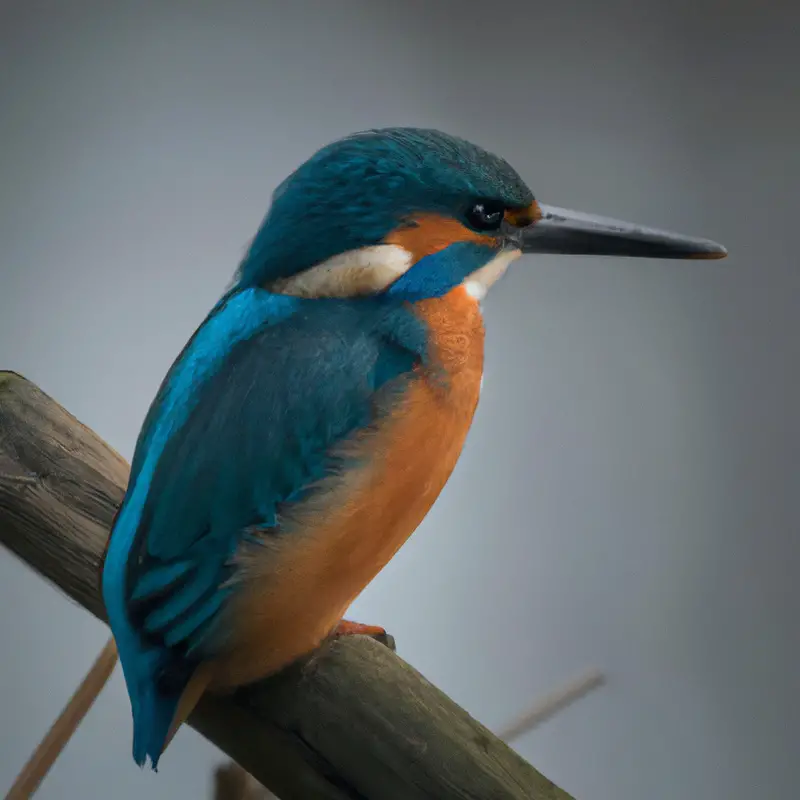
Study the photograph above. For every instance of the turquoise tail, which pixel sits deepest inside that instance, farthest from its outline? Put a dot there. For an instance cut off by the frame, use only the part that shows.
(155, 693)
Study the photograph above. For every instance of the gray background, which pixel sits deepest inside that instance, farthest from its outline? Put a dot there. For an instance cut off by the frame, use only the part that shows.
(627, 495)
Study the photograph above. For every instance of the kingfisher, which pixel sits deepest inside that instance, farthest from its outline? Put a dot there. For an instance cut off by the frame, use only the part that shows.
(315, 415)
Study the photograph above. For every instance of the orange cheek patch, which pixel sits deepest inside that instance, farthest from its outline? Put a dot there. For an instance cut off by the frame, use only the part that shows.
(431, 233)
(520, 217)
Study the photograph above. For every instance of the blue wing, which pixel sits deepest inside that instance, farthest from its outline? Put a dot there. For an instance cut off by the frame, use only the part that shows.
(244, 422)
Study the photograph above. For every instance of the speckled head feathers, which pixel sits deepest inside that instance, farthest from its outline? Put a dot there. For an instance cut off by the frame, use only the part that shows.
(354, 192)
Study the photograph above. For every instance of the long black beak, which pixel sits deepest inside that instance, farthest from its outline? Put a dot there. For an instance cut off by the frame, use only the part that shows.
(574, 233)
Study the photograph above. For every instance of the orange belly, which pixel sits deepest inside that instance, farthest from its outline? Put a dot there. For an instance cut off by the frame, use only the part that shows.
(298, 584)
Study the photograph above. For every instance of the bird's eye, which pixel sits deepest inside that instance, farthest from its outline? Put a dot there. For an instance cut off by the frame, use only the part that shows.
(486, 215)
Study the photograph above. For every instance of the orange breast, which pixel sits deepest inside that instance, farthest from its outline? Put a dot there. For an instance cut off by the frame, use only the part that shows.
(298, 585)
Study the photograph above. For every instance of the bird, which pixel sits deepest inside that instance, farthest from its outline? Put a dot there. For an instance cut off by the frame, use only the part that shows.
(315, 415)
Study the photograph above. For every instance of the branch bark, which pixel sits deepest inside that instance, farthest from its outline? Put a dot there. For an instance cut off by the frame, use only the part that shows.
(353, 722)
(231, 782)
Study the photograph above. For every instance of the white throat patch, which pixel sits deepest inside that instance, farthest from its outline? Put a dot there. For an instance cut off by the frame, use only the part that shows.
(366, 270)
(479, 282)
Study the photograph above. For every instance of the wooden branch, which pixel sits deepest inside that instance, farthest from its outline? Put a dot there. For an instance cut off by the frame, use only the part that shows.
(353, 722)
(231, 782)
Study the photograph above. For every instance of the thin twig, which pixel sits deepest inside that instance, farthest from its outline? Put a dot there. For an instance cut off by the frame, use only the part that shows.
(551, 704)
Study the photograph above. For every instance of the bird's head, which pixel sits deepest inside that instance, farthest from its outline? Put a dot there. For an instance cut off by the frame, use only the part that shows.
(413, 213)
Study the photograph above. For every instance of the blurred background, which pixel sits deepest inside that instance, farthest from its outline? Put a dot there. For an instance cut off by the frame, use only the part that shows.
(628, 496)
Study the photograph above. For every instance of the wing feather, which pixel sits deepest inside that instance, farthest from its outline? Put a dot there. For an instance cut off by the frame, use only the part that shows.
(258, 433)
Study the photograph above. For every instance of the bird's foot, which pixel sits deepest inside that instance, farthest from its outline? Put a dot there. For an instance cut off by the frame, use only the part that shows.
(348, 628)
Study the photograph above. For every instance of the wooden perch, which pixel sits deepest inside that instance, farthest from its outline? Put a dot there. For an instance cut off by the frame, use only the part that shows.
(231, 782)
(353, 722)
